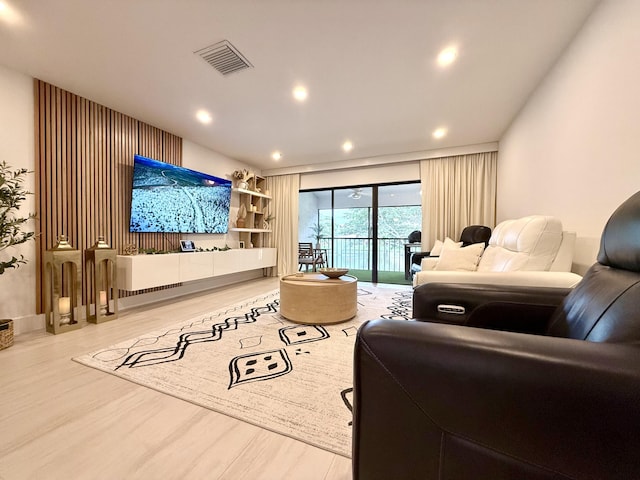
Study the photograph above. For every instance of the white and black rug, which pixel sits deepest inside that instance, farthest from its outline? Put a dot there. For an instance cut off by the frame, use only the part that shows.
(248, 362)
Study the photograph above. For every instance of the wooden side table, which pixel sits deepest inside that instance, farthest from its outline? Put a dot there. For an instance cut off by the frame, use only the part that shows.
(313, 298)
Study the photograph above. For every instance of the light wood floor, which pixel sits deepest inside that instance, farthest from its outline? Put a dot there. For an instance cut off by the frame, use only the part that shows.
(62, 420)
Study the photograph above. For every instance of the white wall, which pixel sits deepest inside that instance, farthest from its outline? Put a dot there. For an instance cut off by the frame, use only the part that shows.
(197, 157)
(574, 149)
(399, 172)
(17, 287)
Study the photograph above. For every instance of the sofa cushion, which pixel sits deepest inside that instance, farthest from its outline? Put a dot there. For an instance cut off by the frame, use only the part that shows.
(529, 243)
(436, 249)
(460, 259)
(439, 245)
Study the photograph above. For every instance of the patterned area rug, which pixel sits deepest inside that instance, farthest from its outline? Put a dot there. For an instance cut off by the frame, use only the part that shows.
(248, 362)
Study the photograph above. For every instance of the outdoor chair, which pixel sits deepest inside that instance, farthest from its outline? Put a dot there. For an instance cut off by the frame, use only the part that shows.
(309, 256)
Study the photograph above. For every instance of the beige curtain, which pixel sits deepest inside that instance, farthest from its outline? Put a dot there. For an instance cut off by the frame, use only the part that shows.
(456, 192)
(284, 192)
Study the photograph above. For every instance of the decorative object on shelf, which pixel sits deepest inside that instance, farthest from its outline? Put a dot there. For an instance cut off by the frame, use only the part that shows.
(62, 292)
(187, 246)
(241, 244)
(154, 251)
(333, 272)
(214, 249)
(242, 215)
(242, 178)
(131, 249)
(102, 280)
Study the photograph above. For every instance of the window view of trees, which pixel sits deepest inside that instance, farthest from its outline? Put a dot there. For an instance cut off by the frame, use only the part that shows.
(399, 222)
(393, 222)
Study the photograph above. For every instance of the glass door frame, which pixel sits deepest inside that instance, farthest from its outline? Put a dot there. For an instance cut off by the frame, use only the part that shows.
(373, 238)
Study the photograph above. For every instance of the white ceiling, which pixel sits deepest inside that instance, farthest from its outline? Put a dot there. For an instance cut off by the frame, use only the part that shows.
(369, 66)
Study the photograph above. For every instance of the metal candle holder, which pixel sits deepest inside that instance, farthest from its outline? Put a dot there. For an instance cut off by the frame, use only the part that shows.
(62, 287)
(102, 282)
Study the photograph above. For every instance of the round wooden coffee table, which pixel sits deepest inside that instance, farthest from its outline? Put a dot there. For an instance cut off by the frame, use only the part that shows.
(316, 299)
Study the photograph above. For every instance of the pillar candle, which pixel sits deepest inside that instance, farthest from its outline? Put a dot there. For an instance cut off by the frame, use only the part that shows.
(64, 305)
(103, 297)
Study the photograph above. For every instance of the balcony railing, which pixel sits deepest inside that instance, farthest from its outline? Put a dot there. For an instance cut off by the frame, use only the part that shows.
(355, 253)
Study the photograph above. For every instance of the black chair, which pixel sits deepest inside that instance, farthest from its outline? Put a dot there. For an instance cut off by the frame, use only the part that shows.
(547, 386)
(470, 235)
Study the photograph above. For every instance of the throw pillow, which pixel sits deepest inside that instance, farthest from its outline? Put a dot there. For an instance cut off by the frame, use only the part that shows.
(436, 249)
(460, 259)
(450, 244)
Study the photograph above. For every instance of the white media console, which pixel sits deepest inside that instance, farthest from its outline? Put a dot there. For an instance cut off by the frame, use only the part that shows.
(137, 272)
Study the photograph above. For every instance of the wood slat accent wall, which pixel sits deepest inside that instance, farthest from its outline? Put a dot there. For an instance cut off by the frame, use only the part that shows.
(84, 171)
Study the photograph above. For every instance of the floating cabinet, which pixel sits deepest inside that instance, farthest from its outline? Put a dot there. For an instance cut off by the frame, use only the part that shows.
(137, 272)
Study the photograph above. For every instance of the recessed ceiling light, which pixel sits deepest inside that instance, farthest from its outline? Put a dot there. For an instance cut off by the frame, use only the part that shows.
(447, 56)
(439, 132)
(203, 116)
(9, 14)
(300, 93)
(276, 155)
(347, 146)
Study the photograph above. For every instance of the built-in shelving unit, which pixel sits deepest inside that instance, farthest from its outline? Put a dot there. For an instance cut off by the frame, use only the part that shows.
(256, 200)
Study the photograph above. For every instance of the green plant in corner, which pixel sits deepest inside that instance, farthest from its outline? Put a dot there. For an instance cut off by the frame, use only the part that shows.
(317, 231)
(12, 194)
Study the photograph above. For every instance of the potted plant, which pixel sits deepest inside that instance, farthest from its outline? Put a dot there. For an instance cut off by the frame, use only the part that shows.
(12, 194)
(317, 233)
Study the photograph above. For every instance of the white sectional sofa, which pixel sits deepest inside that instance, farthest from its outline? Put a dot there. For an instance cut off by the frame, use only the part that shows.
(529, 251)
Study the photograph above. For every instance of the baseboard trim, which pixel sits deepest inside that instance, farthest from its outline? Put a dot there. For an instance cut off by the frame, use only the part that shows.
(36, 322)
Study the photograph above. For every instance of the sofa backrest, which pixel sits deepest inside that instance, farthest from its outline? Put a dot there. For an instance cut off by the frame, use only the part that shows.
(604, 306)
(564, 258)
(475, 234)
(529, 243)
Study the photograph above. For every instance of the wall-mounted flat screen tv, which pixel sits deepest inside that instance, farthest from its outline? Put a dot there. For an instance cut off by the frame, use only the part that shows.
(171, 199)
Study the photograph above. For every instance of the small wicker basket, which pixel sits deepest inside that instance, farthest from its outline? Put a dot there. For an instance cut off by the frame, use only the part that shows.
(6, 333)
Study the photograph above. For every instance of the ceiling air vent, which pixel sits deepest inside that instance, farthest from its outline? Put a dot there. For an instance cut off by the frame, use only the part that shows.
(224, 57)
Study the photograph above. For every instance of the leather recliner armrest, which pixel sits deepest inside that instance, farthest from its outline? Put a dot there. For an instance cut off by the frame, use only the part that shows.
(521, 309)
(441, 401)
(417, 257)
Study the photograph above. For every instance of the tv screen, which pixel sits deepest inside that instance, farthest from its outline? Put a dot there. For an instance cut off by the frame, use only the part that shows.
(170, 199)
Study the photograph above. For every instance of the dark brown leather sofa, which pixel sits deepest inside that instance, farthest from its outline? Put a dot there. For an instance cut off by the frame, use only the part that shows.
(525, 384)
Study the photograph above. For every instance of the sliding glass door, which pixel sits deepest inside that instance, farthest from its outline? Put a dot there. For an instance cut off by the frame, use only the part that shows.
(363, 228)
(398, 213)
(353, 231)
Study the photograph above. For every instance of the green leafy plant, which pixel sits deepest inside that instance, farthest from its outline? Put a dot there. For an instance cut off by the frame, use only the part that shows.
(317, 231)
(12, 194)
(214, 249)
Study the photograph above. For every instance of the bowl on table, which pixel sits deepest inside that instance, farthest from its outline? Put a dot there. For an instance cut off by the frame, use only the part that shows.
(333, 272)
